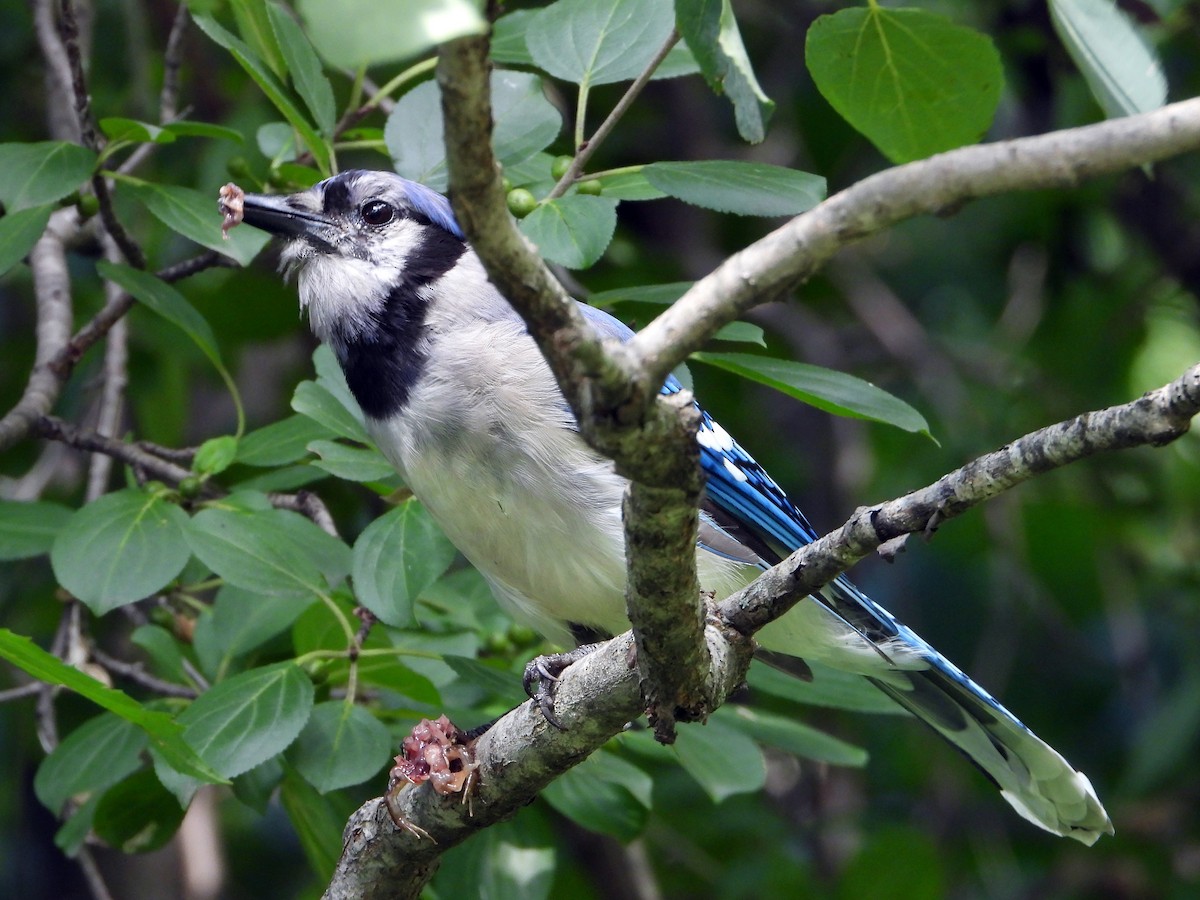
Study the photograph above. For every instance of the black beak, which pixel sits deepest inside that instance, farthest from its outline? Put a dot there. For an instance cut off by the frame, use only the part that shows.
(275, 215)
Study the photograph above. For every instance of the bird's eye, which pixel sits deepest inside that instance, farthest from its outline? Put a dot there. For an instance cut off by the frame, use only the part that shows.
(376, 212)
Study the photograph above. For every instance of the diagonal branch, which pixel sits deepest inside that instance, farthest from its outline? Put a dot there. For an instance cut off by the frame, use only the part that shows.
(521, 754)
(934, 186)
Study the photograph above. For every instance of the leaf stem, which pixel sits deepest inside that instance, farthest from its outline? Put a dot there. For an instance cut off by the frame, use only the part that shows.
(585, 149)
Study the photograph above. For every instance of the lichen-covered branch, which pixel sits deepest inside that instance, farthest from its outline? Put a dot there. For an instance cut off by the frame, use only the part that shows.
(521, 753)
(518, 756)
(1155, 419)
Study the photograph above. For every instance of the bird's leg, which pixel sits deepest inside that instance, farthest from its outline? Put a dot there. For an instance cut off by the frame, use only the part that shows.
(542, 674)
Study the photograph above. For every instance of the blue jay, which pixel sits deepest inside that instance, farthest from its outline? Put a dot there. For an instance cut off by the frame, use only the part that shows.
(459, 399)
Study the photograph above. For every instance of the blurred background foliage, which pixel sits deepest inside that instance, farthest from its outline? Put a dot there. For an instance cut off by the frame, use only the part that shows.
(1074, 598)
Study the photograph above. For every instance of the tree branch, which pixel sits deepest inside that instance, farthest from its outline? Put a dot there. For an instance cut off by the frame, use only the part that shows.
(934, 186)
(52, 289)
(650, 439)
(1155, 419)
(131, 454)
(521, 754)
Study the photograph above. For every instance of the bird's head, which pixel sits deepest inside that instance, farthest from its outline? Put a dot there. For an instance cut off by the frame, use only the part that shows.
(356, 242)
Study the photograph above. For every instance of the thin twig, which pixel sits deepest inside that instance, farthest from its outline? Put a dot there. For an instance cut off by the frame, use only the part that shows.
(56, 429)
(1154, 419)
(137, 673)
(307, 504)
(92, 874)
(793, 252)
(68, 30)
(168, 99)
(17, 693)
(207, 260)
(112, 393)
(584, 151)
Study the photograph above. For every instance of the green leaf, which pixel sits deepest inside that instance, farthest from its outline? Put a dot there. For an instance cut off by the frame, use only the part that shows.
(195, 216)
(162, 298)
(29, 529)
(19, 231)
(912, 81)
(354, 33)
(153, 292)
(307, 76)
(723, 760)
(834, 392)
(275, 552)
(1121, 68)
(397, 557)
(254, 26)
(632, 186)
(398, 678)
(657, 294)
(118, 129)
(502, 685)
(215, 455)
(163, 649)
(318, 403)
(41, 173)
(513, 860)
(342, 745)
(792, 736)
(317, 820)
(280, 442)
(603, 793)
(746, 189)
(244, 721)
(184, 128)
(97, 754)
(267, 82)
(713, 36)
(125, 546)
(164, 732)
(573, 231)
(241, 621)
(591, 42)
(828, 688)
(741, 333)
(351, 463)
(256, 787)
(525, 123)
(138, 814)
(508, 38)
(77, 829)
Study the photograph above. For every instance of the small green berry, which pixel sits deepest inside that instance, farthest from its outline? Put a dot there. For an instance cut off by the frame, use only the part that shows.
(498, 644)
(559, 167)
(88, 205)
(522, 635)
(521, 203)
(190, 487)
(238, 167)
(592, 186)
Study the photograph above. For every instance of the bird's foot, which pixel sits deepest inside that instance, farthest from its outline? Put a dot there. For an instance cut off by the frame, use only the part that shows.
(438, 752)
(541, 678)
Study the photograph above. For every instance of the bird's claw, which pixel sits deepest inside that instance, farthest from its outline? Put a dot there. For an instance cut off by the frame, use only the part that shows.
(542, 675)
